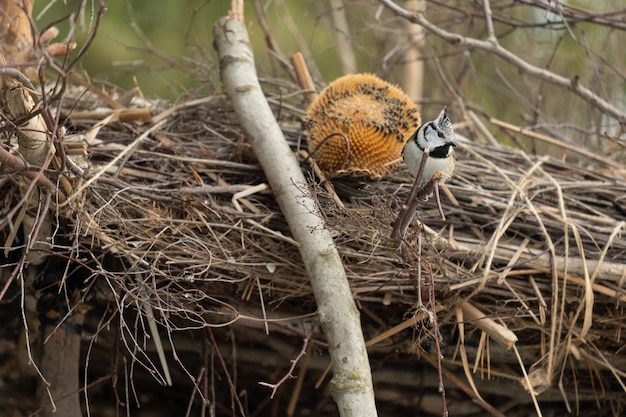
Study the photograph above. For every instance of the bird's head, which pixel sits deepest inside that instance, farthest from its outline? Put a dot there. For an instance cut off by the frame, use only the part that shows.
(436, 135)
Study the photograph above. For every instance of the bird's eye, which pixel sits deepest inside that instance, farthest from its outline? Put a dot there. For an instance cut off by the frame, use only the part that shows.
(441, 135)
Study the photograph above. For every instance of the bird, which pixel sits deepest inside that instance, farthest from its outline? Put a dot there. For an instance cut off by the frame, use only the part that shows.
(436, 136)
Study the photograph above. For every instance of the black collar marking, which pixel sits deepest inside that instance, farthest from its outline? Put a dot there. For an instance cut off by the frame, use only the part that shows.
(440, 151)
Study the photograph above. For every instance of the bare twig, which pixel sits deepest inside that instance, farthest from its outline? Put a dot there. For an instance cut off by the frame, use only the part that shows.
(491, 34)
(432, 314)
(305, 81)
(272, 45)
(572, 148)
(341, 34)
(346, 156)
(11, 164)
(292, 368)
(303, 77)
(505, 337)
(231, 385)
(495, 48)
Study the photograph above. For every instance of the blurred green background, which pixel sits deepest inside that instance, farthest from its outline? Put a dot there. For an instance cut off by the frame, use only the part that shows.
(181, 34)
(165, 49)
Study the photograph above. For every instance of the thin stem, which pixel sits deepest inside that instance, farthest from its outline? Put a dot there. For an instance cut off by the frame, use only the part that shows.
(408, 210)
(573, 84)
(491, 34)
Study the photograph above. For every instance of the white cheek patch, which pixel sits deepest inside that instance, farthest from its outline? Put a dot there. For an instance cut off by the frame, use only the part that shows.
(428, 131)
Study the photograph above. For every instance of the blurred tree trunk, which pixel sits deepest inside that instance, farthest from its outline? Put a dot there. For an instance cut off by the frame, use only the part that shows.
(414, 67)
(341, 34)
(59, 360)
(60, 356)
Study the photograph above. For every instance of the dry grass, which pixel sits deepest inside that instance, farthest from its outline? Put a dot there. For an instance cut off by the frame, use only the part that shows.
(179, 218)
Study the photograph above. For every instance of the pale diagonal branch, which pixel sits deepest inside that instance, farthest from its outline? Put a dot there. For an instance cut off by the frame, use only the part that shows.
(352, 381)
(492, 46)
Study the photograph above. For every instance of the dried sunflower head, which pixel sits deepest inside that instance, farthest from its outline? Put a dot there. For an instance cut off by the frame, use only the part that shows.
(376, 118)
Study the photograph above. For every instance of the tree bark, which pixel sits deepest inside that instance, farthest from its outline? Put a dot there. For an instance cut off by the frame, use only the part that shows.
(60, 365)
(352, 381)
